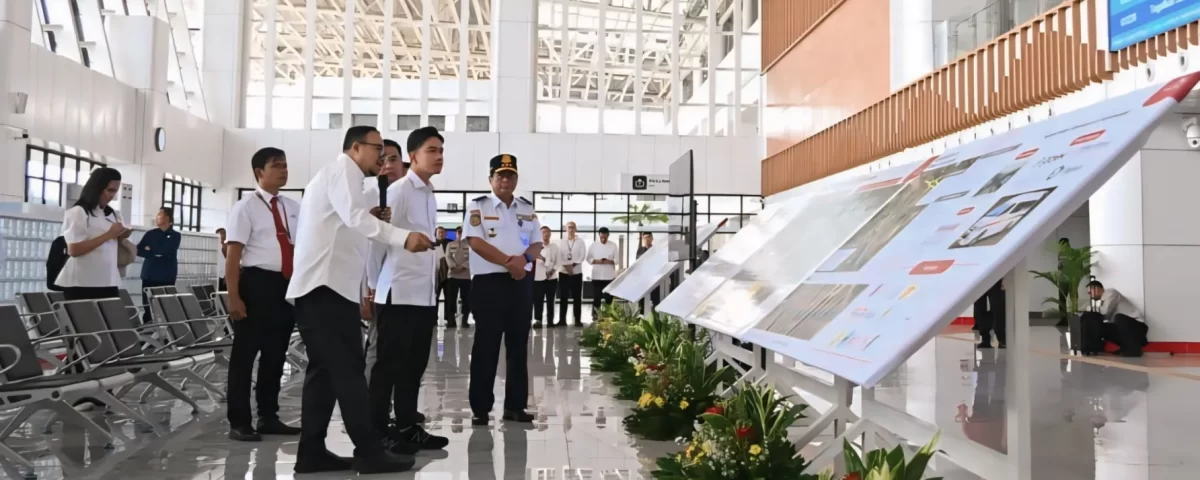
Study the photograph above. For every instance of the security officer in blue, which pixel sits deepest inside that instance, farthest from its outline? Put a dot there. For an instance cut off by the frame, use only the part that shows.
(504, 235)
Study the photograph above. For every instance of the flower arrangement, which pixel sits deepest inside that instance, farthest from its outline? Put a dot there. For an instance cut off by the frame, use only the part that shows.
(881, 464)
(676, 392)
(744, 437)
(655, 338)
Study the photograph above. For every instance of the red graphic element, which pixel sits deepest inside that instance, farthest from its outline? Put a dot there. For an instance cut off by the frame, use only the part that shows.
(931, 267)
(1026, 154)
(920, 169)
(881, 184)
(1087, 138)
(1175, 89)
(966, 211)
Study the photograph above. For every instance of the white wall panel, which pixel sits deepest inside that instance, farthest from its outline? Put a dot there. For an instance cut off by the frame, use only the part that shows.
(615, 157)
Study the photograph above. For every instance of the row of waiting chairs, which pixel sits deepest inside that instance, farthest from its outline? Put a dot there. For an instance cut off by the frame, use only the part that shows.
(96, 347)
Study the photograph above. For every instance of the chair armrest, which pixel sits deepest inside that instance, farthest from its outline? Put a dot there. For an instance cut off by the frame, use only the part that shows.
(14, 363)
(82, 355)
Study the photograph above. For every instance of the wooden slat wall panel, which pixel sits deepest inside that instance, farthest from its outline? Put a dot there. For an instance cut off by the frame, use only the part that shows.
(786, 22)
(1050, 56)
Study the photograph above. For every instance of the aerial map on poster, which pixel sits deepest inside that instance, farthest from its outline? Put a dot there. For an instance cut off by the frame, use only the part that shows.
(954, 226)
(648, 271)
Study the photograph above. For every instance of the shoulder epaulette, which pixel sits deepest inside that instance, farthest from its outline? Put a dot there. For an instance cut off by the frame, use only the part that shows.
(479, 199)
(523, 200)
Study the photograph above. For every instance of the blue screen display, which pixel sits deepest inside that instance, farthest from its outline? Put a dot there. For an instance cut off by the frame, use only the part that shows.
(1131, 21)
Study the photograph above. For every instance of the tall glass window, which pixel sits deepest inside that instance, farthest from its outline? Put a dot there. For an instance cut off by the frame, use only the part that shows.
(184, 197)
(392, 64)
(49, 170)
(673, 67)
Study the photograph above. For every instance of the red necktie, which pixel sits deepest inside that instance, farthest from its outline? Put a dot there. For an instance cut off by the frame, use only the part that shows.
(281, 234)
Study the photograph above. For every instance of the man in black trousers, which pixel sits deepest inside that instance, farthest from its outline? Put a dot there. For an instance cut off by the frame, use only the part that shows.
(258, 268)
(990, 316)
(331, 260)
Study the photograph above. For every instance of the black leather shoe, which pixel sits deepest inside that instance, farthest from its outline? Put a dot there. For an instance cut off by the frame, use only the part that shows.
(322, 462)
(383, 462)
(276, 427)
(451, 325)
(537, 324)
(419, 417)
(480, 420)
(244, 434)
(518, 416)
(395, 443)
(416, 435)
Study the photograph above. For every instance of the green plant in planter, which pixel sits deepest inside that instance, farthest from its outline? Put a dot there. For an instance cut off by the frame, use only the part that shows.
(676, 393)
(882, 464)
(1074, 267)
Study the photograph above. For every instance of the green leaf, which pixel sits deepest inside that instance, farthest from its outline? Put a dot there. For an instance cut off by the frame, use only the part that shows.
(895, 459)
(854, 463)
(916, 467)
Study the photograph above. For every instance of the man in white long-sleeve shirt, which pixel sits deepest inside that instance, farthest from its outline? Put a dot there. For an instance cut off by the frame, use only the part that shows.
(394, 168)
(603, 257)
(545, 280)
(330, 259)
(571, 254)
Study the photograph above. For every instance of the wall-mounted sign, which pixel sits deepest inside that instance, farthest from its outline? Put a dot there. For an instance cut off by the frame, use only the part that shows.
(646, 183)
(1131, 21)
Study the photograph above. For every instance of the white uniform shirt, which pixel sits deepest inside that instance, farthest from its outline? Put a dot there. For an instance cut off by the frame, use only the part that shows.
(1112, 302)
(571, 252)
(376, 251)
(410, 277)
(252, 224)
(607, 251)
(547, 269)
(335, 225)
(509, 228)
(97, 268)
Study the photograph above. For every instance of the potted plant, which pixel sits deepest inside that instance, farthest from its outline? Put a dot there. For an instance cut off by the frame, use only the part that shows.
(882, 464)
(1074, 267)
(641, 215)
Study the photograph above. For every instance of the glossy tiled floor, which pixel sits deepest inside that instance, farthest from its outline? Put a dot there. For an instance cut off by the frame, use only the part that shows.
(1095, 418)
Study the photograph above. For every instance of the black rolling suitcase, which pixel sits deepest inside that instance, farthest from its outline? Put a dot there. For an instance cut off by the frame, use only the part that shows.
(1080, 342)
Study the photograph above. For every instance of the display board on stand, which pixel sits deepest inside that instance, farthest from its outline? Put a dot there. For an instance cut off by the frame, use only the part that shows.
(653, 267)
(925, 241)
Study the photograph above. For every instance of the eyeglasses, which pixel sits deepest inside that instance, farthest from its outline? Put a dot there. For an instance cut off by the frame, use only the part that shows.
(377, 146)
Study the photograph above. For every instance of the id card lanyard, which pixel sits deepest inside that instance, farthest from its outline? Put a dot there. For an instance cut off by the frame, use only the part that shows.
(287, 228)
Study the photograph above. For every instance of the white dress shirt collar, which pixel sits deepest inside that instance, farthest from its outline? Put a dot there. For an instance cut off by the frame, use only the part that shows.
(416, 180)
(265, 194)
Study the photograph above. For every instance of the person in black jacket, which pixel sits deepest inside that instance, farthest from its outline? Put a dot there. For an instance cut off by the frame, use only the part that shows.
(159, 248)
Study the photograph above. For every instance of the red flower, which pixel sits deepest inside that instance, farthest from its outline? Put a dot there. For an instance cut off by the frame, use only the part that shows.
(716, 410)
(745, 432)
(853, 476)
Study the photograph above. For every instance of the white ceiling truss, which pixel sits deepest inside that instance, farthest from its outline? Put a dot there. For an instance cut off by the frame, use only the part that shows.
(571, 46)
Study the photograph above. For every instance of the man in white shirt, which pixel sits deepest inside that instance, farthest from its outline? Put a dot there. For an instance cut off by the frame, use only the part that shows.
(571, 253)
(1114, 319)
(406, 294)
(394, 168)
(545, 280)
(258, 269)
(335, 225)
(501, 229)
(603, 257)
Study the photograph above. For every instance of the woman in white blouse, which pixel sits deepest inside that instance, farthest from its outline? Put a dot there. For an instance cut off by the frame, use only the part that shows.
(92, 230)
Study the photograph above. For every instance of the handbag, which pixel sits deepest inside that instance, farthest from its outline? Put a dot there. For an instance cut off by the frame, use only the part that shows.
(126, 251)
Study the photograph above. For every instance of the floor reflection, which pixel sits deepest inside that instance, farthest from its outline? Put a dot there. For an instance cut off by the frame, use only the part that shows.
(1103, 418)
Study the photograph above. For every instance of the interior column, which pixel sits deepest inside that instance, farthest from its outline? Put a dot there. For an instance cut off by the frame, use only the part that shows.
(514, 57)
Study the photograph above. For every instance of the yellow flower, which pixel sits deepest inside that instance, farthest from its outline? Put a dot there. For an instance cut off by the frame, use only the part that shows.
(755, 450)
(659, 401)
(639, 368)
(608, 336)
(683, 405)
(645, 399)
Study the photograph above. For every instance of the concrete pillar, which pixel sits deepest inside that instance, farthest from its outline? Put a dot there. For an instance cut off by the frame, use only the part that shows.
(15, 24)
(140, 46)
(514, 57)
(224, 57)
(1143, 229)
(912, 43)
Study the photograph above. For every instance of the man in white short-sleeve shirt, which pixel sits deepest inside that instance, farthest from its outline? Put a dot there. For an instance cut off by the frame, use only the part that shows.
(331, 256)
(259, 245)
(571, 254)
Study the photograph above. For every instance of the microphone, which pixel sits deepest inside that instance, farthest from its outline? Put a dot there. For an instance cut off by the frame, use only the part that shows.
(383, 184)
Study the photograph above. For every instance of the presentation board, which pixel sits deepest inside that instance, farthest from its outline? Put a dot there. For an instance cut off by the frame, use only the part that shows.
(756, 270)
(956, 225)
(649, 270)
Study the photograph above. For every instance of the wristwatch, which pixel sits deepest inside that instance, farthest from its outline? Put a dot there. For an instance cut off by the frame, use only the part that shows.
(528, 258)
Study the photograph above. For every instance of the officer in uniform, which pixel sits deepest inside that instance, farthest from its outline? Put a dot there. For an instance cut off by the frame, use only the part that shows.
(503, 233)
(458, 286)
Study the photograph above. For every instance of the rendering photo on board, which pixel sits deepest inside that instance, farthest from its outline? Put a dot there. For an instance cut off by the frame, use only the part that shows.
(1001, 218)
(810, 308)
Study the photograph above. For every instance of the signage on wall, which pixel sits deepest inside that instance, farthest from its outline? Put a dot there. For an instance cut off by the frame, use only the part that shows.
(1131, 21)
(646, 183)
